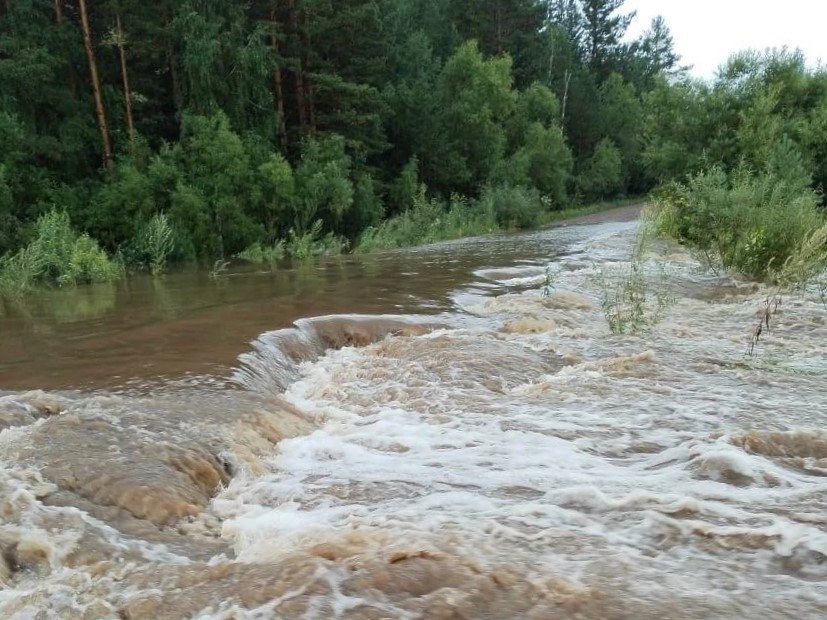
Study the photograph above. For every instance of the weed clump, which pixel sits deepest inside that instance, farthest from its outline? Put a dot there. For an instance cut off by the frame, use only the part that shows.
(299, 246)
(154, 244)
(631, 303)
(304, 245)
(263, 254)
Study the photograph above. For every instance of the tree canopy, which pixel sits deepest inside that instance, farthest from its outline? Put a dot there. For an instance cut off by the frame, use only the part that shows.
(244, 123)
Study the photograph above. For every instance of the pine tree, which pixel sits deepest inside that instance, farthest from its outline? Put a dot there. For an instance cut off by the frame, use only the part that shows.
(100, 111)
(604, 30)
(658, 49)
(120, 42)
(504, 27)
(567, 15)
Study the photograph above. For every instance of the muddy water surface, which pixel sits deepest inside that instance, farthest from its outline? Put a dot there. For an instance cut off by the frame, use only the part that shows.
(450, 444)
(191, 324)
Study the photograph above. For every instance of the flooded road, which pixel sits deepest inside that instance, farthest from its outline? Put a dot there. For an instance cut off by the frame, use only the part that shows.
(188, 323)
(451, 444)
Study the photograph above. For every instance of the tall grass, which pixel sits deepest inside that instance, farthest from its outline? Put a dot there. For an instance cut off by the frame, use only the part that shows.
(263, 254)
(632, 302)
(429, 221)
(299, 246)
(158, 243)
(304, 245)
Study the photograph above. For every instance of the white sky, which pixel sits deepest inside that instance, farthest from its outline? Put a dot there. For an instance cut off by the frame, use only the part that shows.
(707, 32)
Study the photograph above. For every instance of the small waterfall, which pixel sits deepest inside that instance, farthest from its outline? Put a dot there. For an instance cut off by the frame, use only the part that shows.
(273, 363)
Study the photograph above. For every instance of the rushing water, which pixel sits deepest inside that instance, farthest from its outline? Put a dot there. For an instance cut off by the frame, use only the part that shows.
(440, 441)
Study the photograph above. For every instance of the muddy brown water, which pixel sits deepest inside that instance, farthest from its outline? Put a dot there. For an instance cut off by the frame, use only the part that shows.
(416, 434)
(188, 323)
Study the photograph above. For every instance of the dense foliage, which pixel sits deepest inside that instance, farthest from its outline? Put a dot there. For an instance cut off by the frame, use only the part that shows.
(205, 129)
(744, 221)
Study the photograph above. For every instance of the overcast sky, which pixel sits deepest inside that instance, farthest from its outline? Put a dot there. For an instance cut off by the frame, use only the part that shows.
(707, 32)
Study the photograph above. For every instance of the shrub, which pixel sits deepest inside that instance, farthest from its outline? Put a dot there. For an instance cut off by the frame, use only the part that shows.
(513, 207)
(56, 256)
(751, 223)
(89, 264)
(602, 175)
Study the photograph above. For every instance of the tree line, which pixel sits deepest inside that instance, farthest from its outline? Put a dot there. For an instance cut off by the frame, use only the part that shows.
(245, 124)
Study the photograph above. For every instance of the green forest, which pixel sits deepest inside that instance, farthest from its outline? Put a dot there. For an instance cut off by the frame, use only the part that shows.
(137, 135)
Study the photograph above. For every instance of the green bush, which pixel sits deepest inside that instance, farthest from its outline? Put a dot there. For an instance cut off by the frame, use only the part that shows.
(57, 256)
(751, 223)
(513, 207)
(602, 175)
(89, 264)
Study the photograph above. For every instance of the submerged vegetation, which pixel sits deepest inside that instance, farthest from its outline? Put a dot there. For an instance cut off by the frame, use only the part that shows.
(633, 301)
(428, 221)
(57, 255)
(262, 131)
(155, 243)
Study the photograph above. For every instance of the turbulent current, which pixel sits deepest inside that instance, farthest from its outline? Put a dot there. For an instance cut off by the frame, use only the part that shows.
(504, 457)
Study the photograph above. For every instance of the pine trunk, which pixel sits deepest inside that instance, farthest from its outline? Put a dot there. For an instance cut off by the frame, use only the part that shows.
(73, 82)
(100, 113)
(127, 94)
(277, 83)
(173, 70)
(298, 71)
(308, 83)
(498, 46)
